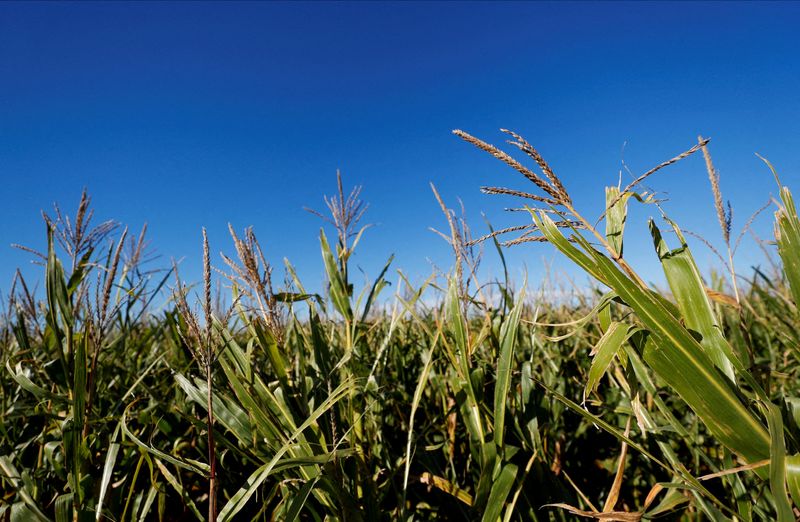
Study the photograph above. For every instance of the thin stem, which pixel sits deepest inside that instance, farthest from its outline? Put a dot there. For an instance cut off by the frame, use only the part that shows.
(208, 361)
(212, 454)
(732, 271)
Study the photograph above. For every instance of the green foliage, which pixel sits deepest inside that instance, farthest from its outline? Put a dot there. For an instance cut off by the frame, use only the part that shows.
(448, 400)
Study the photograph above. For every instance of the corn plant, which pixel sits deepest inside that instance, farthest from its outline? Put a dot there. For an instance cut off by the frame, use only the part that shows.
(449, 397)
(680, 341)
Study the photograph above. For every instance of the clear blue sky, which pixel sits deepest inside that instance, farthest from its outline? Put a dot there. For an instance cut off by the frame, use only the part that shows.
(196, 114)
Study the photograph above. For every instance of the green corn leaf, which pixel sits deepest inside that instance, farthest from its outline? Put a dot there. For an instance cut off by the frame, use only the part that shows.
(196, 467)
(241, 497)
(711, 396)
(234, 353)
(339, 291)
(489, 462)
(18, 374)
(787, 235)
(455, 321)
(675, 355)
(311, 460)
(688, 289)
(604, 317)
(144, 510)
(457, 327)
(690, 481)
(261, 420)
(605, 349)
(10, 473)
(673, 499)
(108, 470)
(777, 464)
(504, 288)
(379, 284)
(64, 507)
(290, 297)
(418, 391)
(79, 393)
(616, 215)
(679, 360)
(226, 411)
(81, 269)
(57, 294)
(178, 487)
(554, 236)
(299, 500)
(577, 324)
(505, 360)
(500, 490)
(270, 346)
(793, 476)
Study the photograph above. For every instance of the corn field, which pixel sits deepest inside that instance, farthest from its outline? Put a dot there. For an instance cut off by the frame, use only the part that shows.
(128, 394)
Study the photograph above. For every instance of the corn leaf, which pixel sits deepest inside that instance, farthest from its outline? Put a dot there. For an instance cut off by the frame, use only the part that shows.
(500, 490)
(777, 464)
(675, 355)
(603, 353)
(689, 292)
(508, 338)
(616, 215)
(339, 292)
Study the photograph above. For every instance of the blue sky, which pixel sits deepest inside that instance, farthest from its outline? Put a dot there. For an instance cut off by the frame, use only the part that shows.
(185, 115)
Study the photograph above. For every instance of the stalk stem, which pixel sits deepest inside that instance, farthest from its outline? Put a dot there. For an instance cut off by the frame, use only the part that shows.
(212, 454)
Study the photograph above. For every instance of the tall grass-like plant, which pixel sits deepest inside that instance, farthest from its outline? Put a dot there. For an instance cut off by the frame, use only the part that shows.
(201, 340)
(454, 397)
(60, 363)
(680, 341)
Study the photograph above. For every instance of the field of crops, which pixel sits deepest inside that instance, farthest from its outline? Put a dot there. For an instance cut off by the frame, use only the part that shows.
(129, 395)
